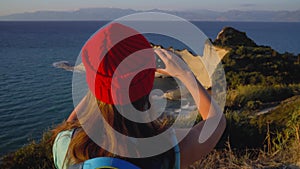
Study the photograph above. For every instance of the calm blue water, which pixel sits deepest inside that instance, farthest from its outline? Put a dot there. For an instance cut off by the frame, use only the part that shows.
(35, 96)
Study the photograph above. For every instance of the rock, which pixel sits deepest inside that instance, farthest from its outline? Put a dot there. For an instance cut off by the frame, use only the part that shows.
(160, 75)
(64, 65)
(176, 94)
(232, 37)
(79, 68)
(204, 66)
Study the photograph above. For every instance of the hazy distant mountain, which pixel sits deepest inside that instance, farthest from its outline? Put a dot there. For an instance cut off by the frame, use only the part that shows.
(201, 15)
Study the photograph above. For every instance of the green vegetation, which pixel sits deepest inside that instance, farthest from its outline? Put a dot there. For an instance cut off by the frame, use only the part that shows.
(259, 65)
(289, 111)
(246, 63)
(248, 142)
(268, 140)
(32, 156)
(258, 79)
(253, 97)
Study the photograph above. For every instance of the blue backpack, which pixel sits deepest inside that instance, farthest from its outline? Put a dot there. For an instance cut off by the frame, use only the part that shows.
(104, 162)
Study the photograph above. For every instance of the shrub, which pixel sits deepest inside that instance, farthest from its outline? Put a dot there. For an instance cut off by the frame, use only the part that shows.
(239, 98)
(32, 156)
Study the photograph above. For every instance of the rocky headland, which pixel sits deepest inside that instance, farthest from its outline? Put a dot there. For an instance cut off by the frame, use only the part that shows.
(258, 79)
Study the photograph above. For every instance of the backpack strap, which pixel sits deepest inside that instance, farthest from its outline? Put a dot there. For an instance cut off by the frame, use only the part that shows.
(104, 162)
(176, 150)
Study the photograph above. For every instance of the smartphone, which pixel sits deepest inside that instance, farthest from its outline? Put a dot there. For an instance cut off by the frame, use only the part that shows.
(159, 63)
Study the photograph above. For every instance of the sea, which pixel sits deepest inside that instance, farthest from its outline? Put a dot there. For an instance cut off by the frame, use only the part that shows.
(35, 95)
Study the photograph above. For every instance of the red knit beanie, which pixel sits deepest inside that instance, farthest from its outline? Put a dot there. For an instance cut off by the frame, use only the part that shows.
(104, 52)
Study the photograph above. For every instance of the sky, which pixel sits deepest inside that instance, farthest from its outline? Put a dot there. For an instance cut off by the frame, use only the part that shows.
(20, 6)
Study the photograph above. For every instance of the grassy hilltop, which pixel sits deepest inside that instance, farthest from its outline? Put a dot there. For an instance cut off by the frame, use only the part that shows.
(262, 106)
(262, 111)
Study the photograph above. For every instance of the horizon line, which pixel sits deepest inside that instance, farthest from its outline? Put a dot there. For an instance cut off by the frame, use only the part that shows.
(145, 10)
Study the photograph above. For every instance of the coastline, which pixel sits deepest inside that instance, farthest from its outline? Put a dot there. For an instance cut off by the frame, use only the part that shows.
(252, 104)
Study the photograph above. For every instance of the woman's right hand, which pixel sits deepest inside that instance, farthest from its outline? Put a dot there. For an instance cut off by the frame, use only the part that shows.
(175, 66)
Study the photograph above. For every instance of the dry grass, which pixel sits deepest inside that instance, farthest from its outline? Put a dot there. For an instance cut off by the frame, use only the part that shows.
(250, 159)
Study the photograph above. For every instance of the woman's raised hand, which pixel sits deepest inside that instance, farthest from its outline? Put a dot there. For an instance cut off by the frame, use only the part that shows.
(175, 66)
